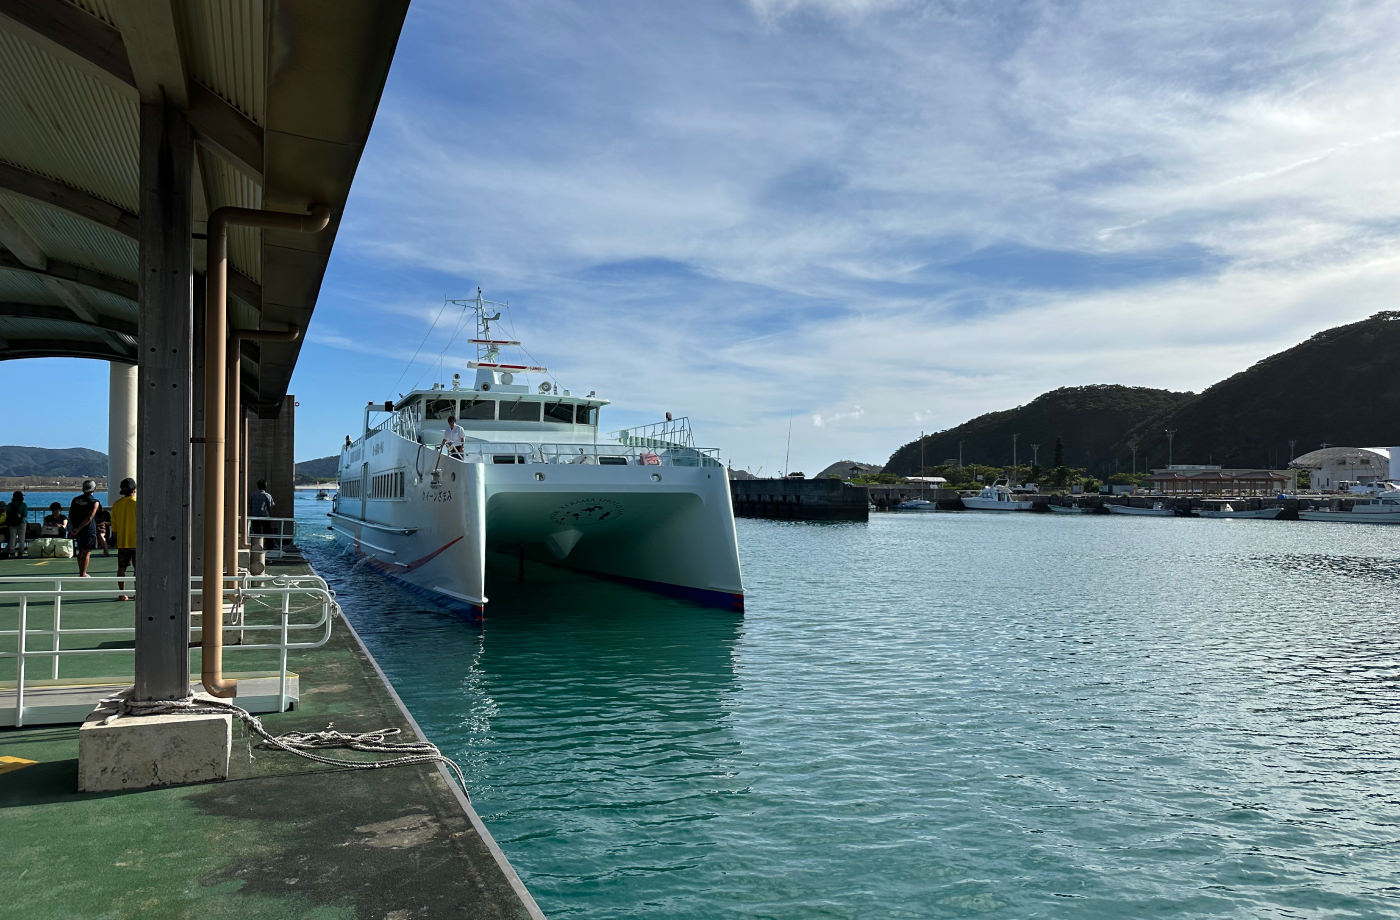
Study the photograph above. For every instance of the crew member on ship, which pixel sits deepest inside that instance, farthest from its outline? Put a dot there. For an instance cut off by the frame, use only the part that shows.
(454, 439)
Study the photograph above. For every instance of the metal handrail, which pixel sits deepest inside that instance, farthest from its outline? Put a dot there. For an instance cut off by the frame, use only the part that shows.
(275, 539)
(243, 586)
(601, 454)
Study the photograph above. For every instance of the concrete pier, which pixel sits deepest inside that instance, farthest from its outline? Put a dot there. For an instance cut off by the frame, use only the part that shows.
(280, 837)
(800, 499)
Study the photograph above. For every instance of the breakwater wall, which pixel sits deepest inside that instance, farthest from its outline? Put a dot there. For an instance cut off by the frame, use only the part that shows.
(800, 499)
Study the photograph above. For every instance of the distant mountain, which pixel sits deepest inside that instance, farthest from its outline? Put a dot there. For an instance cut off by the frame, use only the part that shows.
(320, 468)
(1340, 387)
(847, 469)
(1089, 422)
(45, 461)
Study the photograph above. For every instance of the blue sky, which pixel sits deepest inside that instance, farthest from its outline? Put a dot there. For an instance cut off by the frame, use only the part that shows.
(863, 218)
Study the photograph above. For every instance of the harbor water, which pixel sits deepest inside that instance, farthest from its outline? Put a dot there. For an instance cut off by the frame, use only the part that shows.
(938, 715)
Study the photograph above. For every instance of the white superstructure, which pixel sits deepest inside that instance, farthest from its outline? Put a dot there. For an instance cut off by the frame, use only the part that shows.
(535, 479)
(996, 497)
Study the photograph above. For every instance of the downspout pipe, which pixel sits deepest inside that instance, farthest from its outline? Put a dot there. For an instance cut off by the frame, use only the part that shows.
(215, 415)
(233, 462)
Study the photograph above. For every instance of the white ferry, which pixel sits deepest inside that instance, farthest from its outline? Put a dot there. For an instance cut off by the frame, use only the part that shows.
(533, 479)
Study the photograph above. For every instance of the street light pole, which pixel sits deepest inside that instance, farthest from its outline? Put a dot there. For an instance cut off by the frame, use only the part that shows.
(960, 463)
(1035, 456)
(1014, 439)
(1171, 433)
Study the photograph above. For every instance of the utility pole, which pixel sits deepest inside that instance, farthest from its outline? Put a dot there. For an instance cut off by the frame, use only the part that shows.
(1014, 439)
(921, 453)
(960, 463)
(1133, 445)
(1035, 456)
(1171, 433)
(1291, 442)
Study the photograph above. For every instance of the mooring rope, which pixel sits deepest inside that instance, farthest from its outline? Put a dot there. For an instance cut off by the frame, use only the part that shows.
(302, 743)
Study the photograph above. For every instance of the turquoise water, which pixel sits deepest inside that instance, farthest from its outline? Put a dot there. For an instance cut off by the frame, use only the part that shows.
(948, 715)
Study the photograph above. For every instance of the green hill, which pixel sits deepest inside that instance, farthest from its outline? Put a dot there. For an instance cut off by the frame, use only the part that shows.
(46, 461)
(1088, 422)
(1339, 387)
(309, 471)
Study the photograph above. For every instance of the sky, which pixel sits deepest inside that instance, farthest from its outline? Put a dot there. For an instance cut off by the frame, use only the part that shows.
(820, 227)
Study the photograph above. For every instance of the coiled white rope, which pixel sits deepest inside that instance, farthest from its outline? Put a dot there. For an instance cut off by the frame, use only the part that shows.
(301, 743)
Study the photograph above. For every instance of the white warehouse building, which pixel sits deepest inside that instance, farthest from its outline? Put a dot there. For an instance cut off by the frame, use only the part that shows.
(1335, 469)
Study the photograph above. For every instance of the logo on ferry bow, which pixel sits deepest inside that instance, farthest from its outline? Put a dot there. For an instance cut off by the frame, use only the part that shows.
(587, 511)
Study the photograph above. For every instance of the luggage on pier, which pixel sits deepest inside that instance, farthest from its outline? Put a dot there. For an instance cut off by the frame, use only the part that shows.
(51, 548)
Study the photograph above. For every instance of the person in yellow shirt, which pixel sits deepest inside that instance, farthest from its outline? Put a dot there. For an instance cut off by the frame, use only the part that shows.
(124, 532)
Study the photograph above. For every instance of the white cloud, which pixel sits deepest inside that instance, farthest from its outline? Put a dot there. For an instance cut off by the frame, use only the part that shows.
(760, 211)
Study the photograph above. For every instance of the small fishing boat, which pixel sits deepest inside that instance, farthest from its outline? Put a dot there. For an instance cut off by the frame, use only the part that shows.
(1071, 509)
(1158, 509)
(916, 504)
(322, 495)
(1228, 511)
(996, 497)
(1381, 507)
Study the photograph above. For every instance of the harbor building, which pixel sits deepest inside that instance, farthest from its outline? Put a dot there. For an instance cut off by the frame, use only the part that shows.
(1207, 479)
(1335, 469)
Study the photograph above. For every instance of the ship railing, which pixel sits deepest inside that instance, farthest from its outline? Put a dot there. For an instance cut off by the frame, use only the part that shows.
(674, 433)
(505, 452)
(292, 612)
(275, 533)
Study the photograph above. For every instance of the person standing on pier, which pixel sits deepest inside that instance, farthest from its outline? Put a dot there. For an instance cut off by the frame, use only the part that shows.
(124, 533)
(260, 505)
(16, 519)
(82, 525)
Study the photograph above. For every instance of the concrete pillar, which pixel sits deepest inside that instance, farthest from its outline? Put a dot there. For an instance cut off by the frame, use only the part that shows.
(121, 426)
(271, 445)
(165, 300)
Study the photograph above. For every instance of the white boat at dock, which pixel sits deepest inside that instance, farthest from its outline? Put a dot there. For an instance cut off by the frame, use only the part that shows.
(1158, 509)
(1228, 511)
(1070, 509)
(916, 504)
(530, 476)
(996, 497)
(1381, 505)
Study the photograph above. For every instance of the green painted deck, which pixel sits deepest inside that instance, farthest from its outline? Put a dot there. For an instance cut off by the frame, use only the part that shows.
(282, 837)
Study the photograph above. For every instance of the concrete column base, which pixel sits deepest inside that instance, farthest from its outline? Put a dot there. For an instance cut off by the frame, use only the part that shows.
(141, 752)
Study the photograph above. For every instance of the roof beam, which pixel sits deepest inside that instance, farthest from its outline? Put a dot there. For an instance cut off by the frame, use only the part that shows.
(237, 139)
(66, 198)
(67, 271)
(152, 41)
(68, 33)
(61, 348)
(16, 239)
(60, 314)
(145, 51)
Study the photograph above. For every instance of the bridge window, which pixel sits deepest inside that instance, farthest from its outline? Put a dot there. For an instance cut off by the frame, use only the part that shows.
(478, 409)
(588, 415)
(439, 408)
(520, 411)
(559, 412)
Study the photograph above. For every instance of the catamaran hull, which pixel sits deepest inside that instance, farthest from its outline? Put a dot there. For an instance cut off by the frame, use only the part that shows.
(666, 528)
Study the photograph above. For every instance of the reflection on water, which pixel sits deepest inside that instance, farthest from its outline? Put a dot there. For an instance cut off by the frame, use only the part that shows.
(937, 716)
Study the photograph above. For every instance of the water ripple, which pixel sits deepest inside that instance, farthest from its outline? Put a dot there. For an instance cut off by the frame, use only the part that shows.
(937, 716)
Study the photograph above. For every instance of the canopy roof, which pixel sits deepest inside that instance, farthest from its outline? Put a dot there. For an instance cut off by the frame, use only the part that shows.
(1316, 460)
(281, 95)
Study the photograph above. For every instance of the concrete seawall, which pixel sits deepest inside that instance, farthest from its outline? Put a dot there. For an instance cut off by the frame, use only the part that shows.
(800, 499)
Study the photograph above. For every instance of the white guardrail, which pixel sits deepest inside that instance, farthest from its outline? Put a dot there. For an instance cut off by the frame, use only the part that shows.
(261, 604)
(276, 534)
